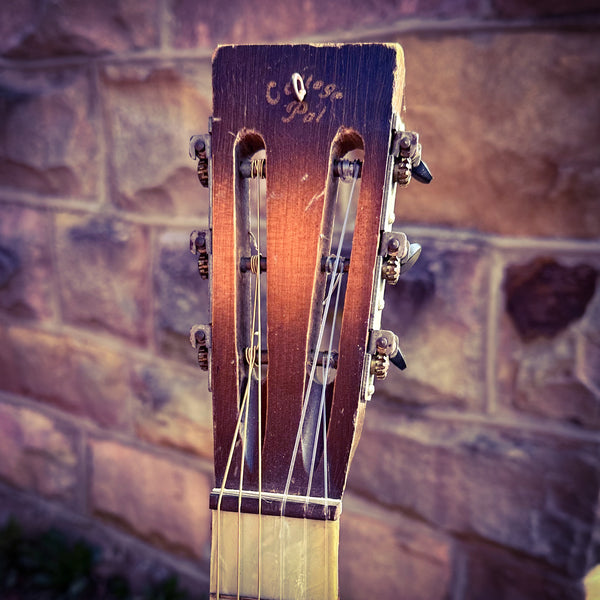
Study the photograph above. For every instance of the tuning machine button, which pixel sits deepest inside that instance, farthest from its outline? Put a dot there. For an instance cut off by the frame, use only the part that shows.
(399, 255)
(407, 263)
(406, 150)
(384, 348)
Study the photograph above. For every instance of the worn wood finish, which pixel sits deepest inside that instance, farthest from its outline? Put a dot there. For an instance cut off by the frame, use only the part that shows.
(353, 88)
(385, 92)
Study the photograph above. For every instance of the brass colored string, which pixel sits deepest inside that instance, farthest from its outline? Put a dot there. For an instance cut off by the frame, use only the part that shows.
(256, 270)
(251, 354)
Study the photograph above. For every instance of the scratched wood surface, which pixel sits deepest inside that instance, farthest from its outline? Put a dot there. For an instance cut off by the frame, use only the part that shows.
(349, 87)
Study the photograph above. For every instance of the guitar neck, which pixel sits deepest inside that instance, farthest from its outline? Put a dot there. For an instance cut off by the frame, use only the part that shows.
(305, 151)
(273, 557)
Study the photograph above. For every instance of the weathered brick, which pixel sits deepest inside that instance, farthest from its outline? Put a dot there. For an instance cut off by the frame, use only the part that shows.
(85, 380)
(181, 295)
(387, 556)
(9, 380)
(546, 371)
(588, 363)
(158, 500)
(213, 23)
(436, 308)
(543, 297)
(38, 455)
(588, 346)
(533, 494)
(509, 128)
(543, 8)
(72, 27)
(152, 113)
(495, 574)
(48, 141)
(105, 274)
(174, 408)
(26, 268)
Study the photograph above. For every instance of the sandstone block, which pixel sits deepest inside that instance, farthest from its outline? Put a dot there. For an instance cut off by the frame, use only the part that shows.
(541, 8)
(9, 380)
(152, 113)
(26, 269)
(588, 363)
(533, 494)
(38, 454)
(438, 310)
(239, 22)
(388, 556)
(545, 363)
(544, 297)
(89, 381)
(174, 408)
(508, 124)
(181, 295)
(156, 499)
(48, 142)
(72, 27)
(105, 274)
(494, 574)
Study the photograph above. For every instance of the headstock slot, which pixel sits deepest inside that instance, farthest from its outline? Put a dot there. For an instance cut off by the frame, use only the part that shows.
(251, 215)
(339, 212)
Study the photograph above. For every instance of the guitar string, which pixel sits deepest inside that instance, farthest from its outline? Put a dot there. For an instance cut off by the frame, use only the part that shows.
(332, 284)
(255, 352)
(259, 392)
(251, 359)
(225, 477)
(322, 416)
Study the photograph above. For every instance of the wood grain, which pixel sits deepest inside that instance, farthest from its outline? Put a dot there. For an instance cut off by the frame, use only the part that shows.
(352, 89)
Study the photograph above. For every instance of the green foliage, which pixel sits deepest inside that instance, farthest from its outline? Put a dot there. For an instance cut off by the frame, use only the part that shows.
(50, 566)
(166, 590)
(56, 565)
(11, 546)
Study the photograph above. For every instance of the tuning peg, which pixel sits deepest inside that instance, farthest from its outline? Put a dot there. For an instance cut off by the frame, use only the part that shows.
(398, 359)
(421, 172)
(407, 151)
(200, 339)
(407, 263)
(200, 150)
(399, 255)
(199, 245)
(384, 348)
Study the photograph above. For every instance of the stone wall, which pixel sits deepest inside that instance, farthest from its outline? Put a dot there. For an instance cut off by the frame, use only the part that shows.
(477, 475)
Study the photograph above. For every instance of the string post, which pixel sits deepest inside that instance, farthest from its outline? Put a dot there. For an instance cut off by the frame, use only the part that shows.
(347, 169)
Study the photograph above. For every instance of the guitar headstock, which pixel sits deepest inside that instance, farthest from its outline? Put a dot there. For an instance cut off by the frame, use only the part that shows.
(305, 150)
